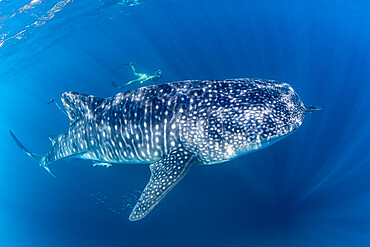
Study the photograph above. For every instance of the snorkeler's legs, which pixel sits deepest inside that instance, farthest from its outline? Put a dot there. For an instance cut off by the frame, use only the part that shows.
(117, 86)
(134, 70)
(133, 81)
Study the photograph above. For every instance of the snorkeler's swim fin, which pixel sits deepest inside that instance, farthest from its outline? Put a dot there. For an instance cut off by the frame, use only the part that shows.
(119, 66)
(114, 84)
(37, 157)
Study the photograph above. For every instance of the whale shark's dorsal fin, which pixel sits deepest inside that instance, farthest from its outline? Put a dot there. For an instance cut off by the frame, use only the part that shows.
(165, 174)
(79, 105)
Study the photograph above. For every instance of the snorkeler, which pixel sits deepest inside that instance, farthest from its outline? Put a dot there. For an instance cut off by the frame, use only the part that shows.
(141, 76)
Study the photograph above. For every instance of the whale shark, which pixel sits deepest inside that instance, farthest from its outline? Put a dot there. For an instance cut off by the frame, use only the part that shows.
(175, 126)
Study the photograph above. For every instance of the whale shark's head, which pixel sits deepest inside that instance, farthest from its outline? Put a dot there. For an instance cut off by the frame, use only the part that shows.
(247, 115)
(271, 111)
(289, 107)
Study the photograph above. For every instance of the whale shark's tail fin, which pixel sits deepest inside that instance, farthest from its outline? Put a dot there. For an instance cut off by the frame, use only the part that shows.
(311, 109)
(38, 157)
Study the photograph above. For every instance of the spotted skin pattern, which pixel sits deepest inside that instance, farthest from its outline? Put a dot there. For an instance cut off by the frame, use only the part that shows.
(175, 126)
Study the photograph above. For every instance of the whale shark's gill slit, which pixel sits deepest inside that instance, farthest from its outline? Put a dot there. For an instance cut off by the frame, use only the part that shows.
(165, 174)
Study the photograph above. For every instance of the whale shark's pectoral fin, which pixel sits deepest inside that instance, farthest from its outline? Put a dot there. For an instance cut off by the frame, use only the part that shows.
(165, 174)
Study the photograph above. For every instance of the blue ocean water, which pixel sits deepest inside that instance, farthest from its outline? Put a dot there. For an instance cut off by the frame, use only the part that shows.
(310, 189)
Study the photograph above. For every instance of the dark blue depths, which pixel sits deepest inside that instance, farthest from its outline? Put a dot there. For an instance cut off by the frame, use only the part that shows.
(310, 189)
